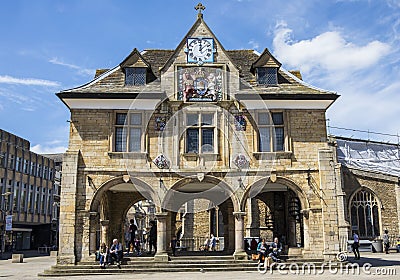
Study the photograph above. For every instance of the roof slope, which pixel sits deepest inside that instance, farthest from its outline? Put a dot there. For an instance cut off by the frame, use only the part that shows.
(369, 156)
(113, 80)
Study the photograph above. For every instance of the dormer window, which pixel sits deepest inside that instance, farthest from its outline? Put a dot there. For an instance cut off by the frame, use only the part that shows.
(267, 76)
(135, 76)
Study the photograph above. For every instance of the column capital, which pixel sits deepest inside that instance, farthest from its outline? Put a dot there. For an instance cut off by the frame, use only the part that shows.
(239, 215)
(161, 215)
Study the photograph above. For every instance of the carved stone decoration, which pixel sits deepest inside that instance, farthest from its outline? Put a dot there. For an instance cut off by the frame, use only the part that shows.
(200, 176)
(161, 161)
(126, 178)
(160, 123)
(241, 161)
(240, 123)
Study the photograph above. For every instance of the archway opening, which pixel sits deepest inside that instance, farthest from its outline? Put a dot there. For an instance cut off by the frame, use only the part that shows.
(275, 212)
(198, 217)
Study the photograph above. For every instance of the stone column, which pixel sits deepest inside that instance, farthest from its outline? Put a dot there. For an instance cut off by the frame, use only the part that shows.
(92, 232)
(329, 204)
(85, 234)
(161, 254)
(67, 209)
(239, 253)
(104, 232)
(249, 225)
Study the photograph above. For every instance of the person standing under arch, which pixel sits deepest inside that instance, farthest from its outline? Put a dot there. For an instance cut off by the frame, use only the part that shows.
(132, 230)
(153, 236)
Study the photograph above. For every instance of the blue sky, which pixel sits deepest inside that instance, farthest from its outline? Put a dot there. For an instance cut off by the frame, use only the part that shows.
(350, 47)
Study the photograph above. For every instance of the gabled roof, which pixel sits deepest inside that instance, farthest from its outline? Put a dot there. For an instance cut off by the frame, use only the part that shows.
(266, 59)
(134, 59)
(182, 44)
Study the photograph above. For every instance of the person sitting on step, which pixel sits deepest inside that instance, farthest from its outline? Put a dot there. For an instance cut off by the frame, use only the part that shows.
(116, 252)
(262, 250)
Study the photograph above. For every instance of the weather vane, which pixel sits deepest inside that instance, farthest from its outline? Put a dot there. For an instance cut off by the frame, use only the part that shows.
(200, 8)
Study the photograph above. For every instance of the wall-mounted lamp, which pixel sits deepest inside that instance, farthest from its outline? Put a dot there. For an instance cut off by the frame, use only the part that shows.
(91, 184)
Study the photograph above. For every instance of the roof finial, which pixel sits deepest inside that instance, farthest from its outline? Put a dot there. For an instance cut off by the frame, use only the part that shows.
(200, 8)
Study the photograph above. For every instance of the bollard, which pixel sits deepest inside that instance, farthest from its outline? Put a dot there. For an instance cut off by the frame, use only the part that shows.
(53, 253)
(17, 258)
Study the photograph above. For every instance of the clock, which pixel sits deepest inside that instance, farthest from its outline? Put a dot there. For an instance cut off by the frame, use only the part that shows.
(200, 50)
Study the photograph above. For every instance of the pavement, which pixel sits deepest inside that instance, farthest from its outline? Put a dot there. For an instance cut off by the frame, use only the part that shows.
(370, 266)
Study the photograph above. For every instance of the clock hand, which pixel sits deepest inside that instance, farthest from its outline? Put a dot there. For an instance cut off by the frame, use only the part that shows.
(204, 48)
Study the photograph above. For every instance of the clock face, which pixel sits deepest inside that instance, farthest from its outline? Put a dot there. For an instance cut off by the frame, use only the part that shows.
(200, 50)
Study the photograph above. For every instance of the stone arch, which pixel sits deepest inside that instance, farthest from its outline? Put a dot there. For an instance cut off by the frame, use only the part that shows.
(279, 180)
(207, 179)
(181, 192)
(99, 208)
(97, 199)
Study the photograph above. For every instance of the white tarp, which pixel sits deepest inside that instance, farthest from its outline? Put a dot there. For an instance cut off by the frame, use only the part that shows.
(369, 156)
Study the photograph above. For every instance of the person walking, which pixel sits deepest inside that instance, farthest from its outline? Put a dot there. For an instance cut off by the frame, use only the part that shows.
(213, 242)
(356, 245)
(173, 245)
(206, 244)
(132, 231)
(386, 241)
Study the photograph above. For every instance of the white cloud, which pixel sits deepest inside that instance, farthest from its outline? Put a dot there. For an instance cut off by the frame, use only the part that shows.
(363, 74)
(39, 149)
(327, 51)
(27, 81)
(254, 44)
(81, 70)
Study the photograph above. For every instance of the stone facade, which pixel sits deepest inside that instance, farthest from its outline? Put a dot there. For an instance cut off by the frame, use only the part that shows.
(299, 180)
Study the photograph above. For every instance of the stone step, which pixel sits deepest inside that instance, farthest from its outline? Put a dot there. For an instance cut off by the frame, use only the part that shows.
(177, 264)
(73, 271)
(176, 261)
(115, 270)
(169, 264)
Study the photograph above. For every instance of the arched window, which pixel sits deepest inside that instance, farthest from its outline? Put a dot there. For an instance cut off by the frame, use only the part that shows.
(365, 214)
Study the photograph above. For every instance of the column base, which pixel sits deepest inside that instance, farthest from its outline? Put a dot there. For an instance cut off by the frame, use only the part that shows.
(240, 255)
(161, 257)
(66, 260)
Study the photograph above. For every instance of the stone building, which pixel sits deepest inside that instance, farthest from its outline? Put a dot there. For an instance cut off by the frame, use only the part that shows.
(370, 178)
(27, 194)
(223, 142)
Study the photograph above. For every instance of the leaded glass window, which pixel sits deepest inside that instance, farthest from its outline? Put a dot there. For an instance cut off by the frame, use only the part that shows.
(200, 133)
(364, 213)
(267, 76)
(135, 76)
(128, 132)
(271, 132)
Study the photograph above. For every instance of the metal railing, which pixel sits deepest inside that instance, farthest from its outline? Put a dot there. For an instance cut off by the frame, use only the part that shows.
(197, 243)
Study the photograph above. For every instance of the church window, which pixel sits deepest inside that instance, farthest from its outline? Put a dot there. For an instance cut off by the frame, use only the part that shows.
(271, 132)
(364, 214)
(135, 76)
(267, 76)
(200, 131)
(128, 132)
